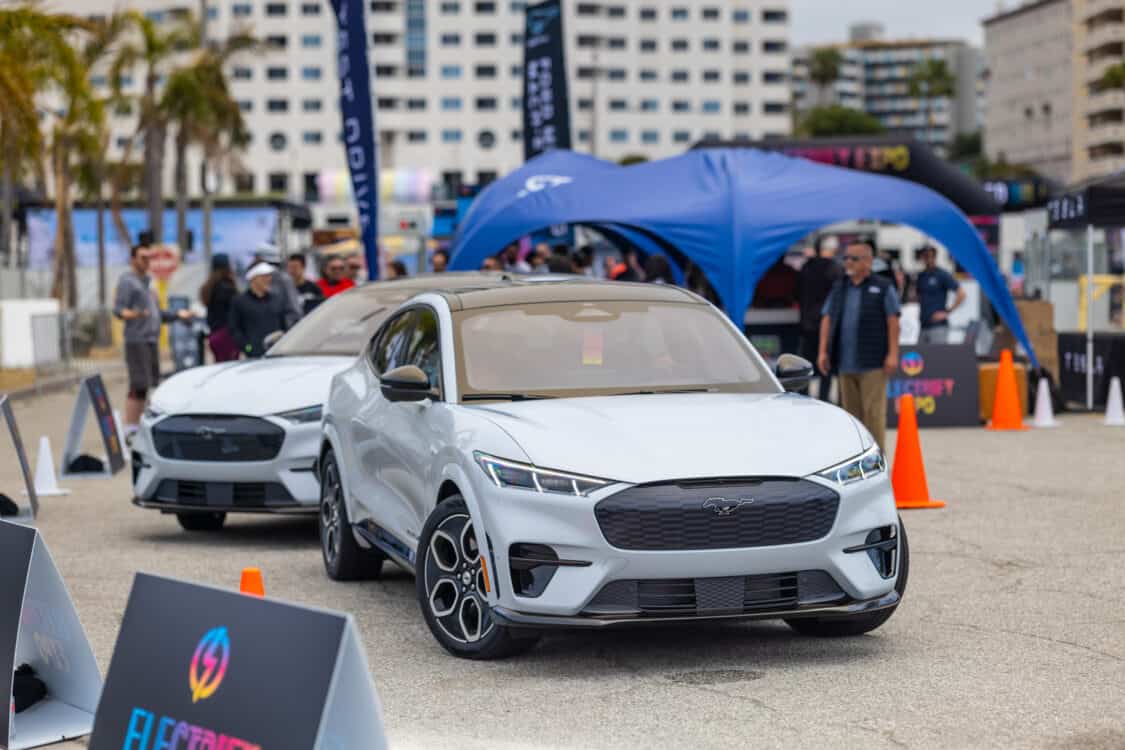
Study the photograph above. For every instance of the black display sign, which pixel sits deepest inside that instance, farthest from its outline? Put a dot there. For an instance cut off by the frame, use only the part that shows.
(944, 382)
(16, 543)
(546, 104)
(205, 668)
(1101, 204)
(92, 392)
(21, 456)
(1109, 360)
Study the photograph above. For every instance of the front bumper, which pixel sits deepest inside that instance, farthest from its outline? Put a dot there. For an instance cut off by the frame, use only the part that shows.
(285, 484)
(574, 593)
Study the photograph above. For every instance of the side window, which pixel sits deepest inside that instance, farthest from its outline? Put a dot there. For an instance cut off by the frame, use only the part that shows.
(387, 353)
(423, 349)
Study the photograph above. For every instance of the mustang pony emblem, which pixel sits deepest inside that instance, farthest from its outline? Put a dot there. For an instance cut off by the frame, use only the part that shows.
(725, 506)
(209, 433)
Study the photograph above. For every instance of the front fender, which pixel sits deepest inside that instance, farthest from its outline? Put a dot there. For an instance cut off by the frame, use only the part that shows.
(454, 472)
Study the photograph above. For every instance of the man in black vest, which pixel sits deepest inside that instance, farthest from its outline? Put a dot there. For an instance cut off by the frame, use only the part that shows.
(859, 338)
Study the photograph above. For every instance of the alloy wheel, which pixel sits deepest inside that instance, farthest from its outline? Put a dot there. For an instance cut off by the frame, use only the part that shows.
(331, 497)
(455, 583)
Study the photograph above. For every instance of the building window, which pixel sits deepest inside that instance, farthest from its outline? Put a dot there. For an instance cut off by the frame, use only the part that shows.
(585, 72)
(616, 74)
(243, 182)
(774, 16)
(774, 108)
(773, 76)
(774, 45)
(416, 136)
(242, 74)
(587, 40)
(277, 74)
(484, 6)
(311, 73)
(277, 41)
(485, 39)
(312, 189)
(486, 139)
(711, 45)
(650, 105)
(681, 136)
(711, 137)
(450, 40)
(312, 137)
(450, 8)
(450, 71)
(648, 75)
(485, 177)
(741, 77)
(241, 10)
(648, 14)
(386, 71)
(648, 45)
(451, 135)
(712, 76)
(618, 135)
(615, 11)
(616, 42)
(310, 9)
(387, 102)
(416, 104)
(451, 104)
(517, 102)
(383, 37)
(680, 45)
(740, 16)
(278, 141)
(742, 108)
(516, 38)
(279, 182)
(650, 136)
(618, 105)
(711, 14)
(486, 103)
(517, 71)
(712, 106)
(310, 41)
(741, 47)
(583, 136)
(311, 105)
(679, 14)
(680, 76)
(245, 105)
(517, 136)
(485, 71)
(585, 105)
(276, 9)
(588, 9)
(277, 105)
(384, 6)
(518, 6)
(681, 105)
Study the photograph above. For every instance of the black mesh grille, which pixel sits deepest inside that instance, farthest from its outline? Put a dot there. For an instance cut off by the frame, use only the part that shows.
(717, 514)
(217, 438)
(224, 494)
(710, 596)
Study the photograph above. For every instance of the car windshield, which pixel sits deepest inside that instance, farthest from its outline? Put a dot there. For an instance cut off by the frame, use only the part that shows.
(601, 348)
(341, 325)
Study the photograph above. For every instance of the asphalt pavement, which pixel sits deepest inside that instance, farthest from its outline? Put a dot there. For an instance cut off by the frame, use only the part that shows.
(1012, 633)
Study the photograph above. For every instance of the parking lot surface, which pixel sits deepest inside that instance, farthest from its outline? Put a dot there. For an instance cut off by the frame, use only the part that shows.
(1012, 633)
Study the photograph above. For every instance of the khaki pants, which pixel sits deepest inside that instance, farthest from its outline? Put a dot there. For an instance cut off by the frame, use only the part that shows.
(864, 396)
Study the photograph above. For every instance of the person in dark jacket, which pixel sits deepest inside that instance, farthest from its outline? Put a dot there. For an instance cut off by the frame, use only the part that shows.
(307, 291)
(816, 279)
(216, 294)
(257, 312)
(859, 339)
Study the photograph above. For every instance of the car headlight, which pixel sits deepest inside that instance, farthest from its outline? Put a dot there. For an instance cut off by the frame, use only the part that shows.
(505, 473)
(869, 464)
(303, 416)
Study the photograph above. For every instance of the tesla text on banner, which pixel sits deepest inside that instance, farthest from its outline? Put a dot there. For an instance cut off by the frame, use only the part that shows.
(546, 113)
(358, 122)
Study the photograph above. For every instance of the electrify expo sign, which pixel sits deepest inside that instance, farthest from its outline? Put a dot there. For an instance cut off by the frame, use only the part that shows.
(546, 108)
(359, 123)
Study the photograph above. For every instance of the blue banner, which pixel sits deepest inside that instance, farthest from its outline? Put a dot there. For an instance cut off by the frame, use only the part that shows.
(359, 123)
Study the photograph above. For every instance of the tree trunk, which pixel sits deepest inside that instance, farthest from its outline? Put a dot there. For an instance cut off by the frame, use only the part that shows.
(7, 202)
(208, 204)
(181, 181)
(155, 137)
(58, 283)
(101, 247)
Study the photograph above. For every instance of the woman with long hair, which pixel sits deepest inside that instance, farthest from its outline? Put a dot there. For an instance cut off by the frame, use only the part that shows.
(216, 294)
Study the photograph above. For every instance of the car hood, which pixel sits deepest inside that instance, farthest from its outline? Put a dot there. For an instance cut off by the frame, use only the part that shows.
(254, 387)
(648, 438)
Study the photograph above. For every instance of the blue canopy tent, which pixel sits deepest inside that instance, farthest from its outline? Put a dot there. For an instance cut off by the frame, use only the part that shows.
(732, 212)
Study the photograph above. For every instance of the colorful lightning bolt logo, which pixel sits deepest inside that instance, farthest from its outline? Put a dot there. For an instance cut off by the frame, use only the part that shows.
(209, 664)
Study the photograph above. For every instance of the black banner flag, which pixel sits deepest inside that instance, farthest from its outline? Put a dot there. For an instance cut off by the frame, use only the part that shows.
(546, 106)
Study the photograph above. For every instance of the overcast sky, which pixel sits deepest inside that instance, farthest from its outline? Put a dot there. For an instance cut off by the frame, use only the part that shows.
(818, 21)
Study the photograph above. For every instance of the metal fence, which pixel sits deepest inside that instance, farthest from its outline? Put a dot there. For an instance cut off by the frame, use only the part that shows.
(60, 341)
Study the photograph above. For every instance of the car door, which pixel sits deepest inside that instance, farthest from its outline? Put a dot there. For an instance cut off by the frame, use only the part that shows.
(372, 498)
(411, 431)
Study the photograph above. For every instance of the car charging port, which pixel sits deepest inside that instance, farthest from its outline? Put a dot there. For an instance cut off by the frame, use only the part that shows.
(881, 547)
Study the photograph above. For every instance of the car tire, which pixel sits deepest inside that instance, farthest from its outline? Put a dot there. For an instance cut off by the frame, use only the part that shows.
(344, 559)
(449, 579)
(201, 521)
(839, 627)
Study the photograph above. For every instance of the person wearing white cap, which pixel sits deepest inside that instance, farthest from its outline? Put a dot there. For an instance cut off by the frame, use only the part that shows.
(257, 312)
(283, 286)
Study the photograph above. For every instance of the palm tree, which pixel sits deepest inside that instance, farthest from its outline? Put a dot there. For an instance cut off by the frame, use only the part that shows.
(198, 102)
(824, 68)
(156, 50)
(930, 80)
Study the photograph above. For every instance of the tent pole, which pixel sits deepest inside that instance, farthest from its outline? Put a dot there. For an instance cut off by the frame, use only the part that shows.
(1089, 317)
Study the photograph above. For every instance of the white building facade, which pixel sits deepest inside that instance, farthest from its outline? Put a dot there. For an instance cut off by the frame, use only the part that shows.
(647, 78)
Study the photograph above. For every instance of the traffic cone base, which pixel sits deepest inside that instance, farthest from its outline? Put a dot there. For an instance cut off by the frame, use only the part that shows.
(251, 582)
(46, 483)
(1007, 415)
(1044, 412)
(1114, 412)
(908, 475)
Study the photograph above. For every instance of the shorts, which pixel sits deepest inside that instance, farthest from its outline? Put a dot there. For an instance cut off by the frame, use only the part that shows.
(142, 360)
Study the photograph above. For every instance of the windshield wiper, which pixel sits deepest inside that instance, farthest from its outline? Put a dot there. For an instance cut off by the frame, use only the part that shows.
(663, 390)
(502, 397)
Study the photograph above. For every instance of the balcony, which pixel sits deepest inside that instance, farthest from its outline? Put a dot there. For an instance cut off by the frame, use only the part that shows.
(1105, 134)
(1106, 101)
(1104, 35)
(1095, 9)
(1102, 166)
(1095, 70)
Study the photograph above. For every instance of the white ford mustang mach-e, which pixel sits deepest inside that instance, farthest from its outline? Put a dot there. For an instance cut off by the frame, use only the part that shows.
(242, 437)
(584, 455)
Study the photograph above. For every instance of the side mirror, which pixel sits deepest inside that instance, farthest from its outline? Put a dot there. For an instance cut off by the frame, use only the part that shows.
(406, 383)
(272, 339)
(794, 372)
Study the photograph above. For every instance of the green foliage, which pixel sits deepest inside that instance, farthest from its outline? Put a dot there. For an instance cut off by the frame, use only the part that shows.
(837, 120)
(966, 146)
(931, 79)
(824, 65)
(628, 159)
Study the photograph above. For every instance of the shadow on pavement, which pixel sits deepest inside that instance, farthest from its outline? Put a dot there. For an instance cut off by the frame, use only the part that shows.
(243, 531)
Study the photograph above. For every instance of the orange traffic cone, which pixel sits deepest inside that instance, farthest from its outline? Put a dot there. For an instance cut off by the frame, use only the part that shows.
(1007, 414)
(908, 477)
(252, 582)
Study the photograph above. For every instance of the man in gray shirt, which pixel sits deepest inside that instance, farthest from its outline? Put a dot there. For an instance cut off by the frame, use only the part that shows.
(135, 303)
